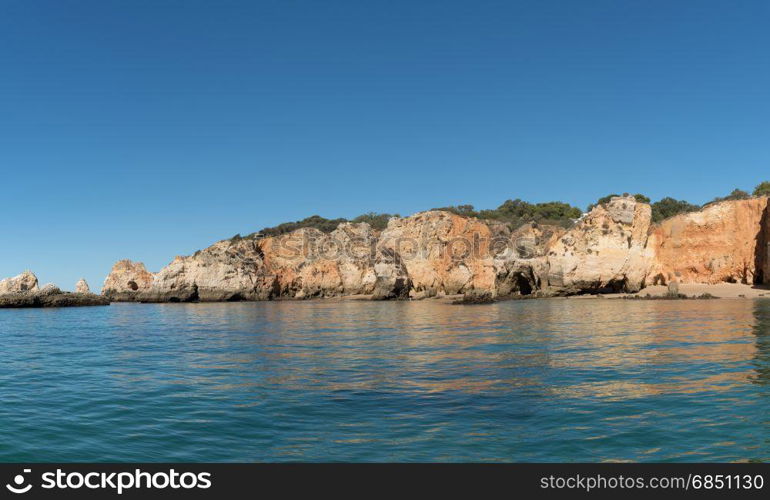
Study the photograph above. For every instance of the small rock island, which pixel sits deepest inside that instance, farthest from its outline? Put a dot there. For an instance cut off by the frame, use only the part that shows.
(23, 291)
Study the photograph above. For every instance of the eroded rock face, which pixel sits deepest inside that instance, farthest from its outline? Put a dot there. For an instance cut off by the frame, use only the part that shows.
(82, 286)
(126, 280)
(435, 253)
(25, 282)
(724, 242)
(605, 251)
(534, 240)
(308, 263)
(613, 248)
(49, 289)
(303, 264)
(223, 271)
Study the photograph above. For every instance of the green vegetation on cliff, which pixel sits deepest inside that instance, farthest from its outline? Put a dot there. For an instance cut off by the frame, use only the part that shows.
(606, 199)
(517, 212)
(662, 209)
(762, 189)
(669, 207)
(514, 213)
(736, 194)
(376, 220)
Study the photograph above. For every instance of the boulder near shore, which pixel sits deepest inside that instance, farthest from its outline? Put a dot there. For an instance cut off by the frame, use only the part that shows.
(615, 248)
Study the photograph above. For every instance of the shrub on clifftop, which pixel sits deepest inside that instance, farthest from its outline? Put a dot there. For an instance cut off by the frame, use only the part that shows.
(669, 207)
(517, 212)
(762, 189)
(377, 221)
(736, 194)
(606, 199)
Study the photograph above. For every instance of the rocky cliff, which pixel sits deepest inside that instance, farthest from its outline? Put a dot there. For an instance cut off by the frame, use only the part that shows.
(611, 249)
(605, 251)
(435, 253)
(724, 242)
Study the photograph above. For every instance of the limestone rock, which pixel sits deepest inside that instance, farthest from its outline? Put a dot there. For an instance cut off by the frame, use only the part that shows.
(605, 251)
(673, 288)
(724, 242)
(126, 280)
(613, 248)
(23, 291)
(308, 263)
(435, 253)
(533, 240)
(82, 286)
(301, 264)
(392, 280)
(224, 271)
(49, 289)
(24, 282)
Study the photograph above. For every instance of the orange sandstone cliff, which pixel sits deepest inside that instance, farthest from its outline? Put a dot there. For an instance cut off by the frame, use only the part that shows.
(724, 242)
(614, 248)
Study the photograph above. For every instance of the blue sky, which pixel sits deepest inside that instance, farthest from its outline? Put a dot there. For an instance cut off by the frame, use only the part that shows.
(146, 129)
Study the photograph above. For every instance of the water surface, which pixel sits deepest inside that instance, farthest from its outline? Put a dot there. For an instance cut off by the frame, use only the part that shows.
(538, 380)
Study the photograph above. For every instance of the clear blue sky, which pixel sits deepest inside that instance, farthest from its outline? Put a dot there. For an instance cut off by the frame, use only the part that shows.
(145, 129)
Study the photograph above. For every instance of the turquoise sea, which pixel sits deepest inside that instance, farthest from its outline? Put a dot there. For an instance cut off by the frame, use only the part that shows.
(527, 381)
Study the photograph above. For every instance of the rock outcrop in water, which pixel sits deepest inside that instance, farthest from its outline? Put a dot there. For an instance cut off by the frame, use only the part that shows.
(23, 291)
(82, 286)
(126, 279)
(24, 282)
(614, 248)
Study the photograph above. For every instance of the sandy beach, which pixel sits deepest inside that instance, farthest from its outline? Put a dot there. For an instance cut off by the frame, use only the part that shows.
(720, 290)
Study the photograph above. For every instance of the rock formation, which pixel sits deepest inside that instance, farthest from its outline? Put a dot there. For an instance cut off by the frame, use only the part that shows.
(48, 289)
(23, 291)
(613, 248)
(82, 286)
(605, 251)
(24, 282)
(724, 242)
(125, 280)
(303, 264)
(435, 253)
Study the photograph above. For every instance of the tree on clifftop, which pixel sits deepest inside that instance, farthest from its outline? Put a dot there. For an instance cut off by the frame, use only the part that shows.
(669, 207)
(517, 212)
(762, 189)
(606, 199)
(736, 194)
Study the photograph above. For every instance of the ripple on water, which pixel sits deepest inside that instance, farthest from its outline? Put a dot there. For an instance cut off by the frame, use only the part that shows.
(548, 380)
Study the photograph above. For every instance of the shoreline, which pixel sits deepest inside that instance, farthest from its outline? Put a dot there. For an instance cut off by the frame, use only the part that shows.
(717, 290)
(38, 300)
(692, 291)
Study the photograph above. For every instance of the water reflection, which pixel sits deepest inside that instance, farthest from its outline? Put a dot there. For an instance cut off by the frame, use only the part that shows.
(548, 380)
(761, 363)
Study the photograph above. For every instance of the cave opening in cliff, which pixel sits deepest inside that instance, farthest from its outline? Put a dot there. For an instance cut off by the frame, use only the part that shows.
(613, 286)
(523, 285)
(133, 286)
